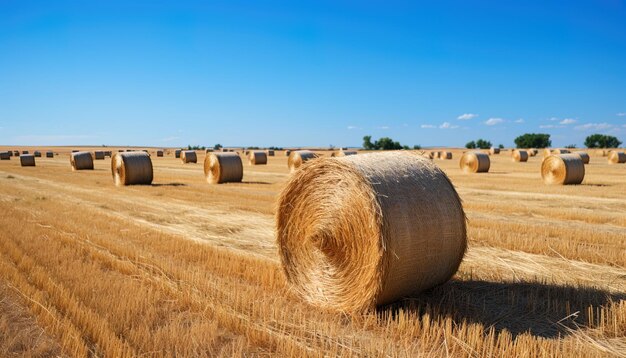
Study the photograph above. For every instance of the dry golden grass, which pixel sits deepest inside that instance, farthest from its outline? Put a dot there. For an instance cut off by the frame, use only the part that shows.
(185, 268)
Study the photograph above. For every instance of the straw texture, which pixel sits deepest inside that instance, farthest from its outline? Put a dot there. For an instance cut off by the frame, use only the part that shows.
(5, 156)
(494, 150)
(519, 155)
(257, 157)
(298, 157)
(475, 162)
(584, 156)
(563, 169)
(546, 152)
(131, 168)
(223, 168)
(616, 157)
(366, 230)
(81, 161)
(188, 156)
(27, 160)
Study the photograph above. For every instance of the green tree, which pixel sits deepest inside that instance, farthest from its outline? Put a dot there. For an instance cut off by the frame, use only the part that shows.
(386, 143)
(483, 144)
(367, 143)
(602, 141)
(417, 147)
(533, 140)
(217, 146)
(470, 145)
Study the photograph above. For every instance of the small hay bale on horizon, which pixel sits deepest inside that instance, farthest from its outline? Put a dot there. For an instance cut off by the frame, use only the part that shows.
(159, 153)
(49, 154)
(5, 156)
(494, 150)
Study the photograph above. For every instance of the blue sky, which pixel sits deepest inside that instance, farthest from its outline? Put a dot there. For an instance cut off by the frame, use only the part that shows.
(310, 73)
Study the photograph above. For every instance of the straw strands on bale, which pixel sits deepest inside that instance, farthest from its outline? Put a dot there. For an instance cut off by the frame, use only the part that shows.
(546, 152)
(298, 157)
(351, 232)
(5, 156)
(177, 153)
(81, 161)
(98, 155)
(494, 150)
(223, 168)
(616, 157)
(475, 162)
(49, 154)
(131, 168)
(584, 156)
(257, 157)
(159, 153)
(27, 160)
(563, 169)
(270, 153)
(519, 155)
(446, 155)
(188, 156)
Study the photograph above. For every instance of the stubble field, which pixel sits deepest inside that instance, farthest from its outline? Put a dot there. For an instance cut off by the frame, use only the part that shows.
(185, 268)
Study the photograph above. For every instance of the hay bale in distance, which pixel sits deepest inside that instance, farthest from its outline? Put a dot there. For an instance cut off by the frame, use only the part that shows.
(270, 153)
(287, 152)
(584, 156)
(519, 155)
(494, 150)
(299, 157)
(446, 155)
(563, 169)
(37, 154)
(5, 156)
(159, 153)
(24, 152)
(602, 152)
(257, 157)
(223, 168)
(343, 153)
(616, 157)
(98, 155)
(188, 156)
(49, 154)
(131, 168)
(27, 160)
(532, 152)
(177, 153)
(560, 151)
(81, 161)
(352, 233)
(475, 162)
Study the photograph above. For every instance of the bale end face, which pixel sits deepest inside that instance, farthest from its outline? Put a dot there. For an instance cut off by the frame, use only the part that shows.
(131, 168)
(223, 168)
(616, 157)
(474, 162)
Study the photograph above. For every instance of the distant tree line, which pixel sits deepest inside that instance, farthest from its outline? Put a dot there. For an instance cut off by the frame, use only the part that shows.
(602, 141)
(541, 140)
(384, 143)
(479, 144)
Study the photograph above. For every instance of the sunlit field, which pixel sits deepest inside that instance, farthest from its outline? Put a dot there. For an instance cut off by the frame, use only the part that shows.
(185, 268)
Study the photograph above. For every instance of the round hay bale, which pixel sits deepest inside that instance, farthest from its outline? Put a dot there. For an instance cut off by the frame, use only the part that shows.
(532, 152)
(367, 230)
(81, 161)
(177, 153)
(494, 150)
(24, 152)
(10, 153)
(560, 151)
(37, 154)
(546, 152)
(299, 157)
(343, 153)
(49, 154)
(616, 157)
(159, 153)
(188, 156)
(475, 162)
(16, 153)
(563, 169)
(602, 152)
(584, 156)
(131, 168)
(446, 155)
(5, 156)
(223, 168)
(257, 157)
(27, 160)
(519, 155)
(270, 153)
(75, 150)
(208, 150)
(98, 155)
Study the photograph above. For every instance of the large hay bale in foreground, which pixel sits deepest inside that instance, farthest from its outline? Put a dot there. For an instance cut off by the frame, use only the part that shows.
(519, 155)
(27, 160)
(563, 169)
(366, 230)
(616, 157)
(223, 168)
(49, 154)
(5, 156)
(188, 156)
(584, 156)
(475, 162)
(257, 157)
(98, 155)
(81, 161)
(299, 157)
(131, 168)
(494, 150)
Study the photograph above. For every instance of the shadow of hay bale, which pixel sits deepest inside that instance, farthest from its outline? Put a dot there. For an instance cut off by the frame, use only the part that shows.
(541, 310)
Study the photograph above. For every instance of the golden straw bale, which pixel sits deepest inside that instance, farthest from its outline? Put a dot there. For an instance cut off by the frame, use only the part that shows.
(257, 157)
(563, 169)
(81, 161)
(366, 230)
(546, 152)
(37, 154)
(5, 156)
(602, 152)
(27, 160)
(532, 152)
(270, 153)
(131, 168)
(159, 153)
(49, 154)
(475, 162)
(223, 168)
(494, 150)
(560, 151)
(446, 155)
(188, 156)
(98, 155)
(584, 156)
(616, 157)
(519, 155)
(298, 157)
(177, 153)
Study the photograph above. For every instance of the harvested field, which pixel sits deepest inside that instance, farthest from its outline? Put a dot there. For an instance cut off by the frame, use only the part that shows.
(185, 268)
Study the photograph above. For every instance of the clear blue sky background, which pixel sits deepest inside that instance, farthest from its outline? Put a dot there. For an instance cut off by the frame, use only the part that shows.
(298, 73)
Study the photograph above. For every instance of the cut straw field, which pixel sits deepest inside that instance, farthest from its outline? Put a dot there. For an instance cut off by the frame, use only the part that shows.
(182, 267)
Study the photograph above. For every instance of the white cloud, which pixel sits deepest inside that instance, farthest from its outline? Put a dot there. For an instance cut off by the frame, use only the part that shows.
(384, 127)
(447, 125)
(547, 126)
(466, 116)
(593, 126)
(521, 120)
(621, 114)
(353, 127)
(553, 119)
(568, 121)
(428, 126)
(494, 121)
(169, 139)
